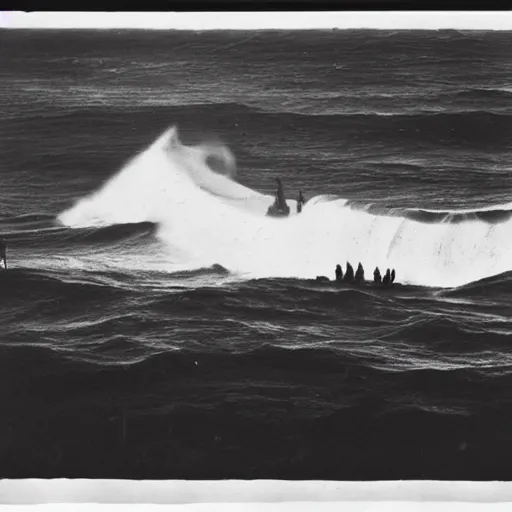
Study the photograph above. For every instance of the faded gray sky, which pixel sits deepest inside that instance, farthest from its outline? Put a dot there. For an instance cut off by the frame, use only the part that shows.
(476, 20)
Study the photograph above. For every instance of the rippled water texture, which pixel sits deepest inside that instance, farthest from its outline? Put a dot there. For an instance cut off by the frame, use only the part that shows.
(156, 324)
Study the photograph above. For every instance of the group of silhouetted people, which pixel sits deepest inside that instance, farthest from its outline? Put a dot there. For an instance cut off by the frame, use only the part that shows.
(389, 276)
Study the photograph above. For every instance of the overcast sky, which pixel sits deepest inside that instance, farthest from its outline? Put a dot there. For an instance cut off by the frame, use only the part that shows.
(497, 20)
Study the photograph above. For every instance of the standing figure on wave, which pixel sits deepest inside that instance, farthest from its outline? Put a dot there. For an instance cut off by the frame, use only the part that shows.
(300, 201)
(377, 278)
(339, 273)
(3, 253)
(392, 276)
(387, 278)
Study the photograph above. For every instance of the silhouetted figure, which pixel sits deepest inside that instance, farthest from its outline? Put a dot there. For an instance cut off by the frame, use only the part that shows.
(300, 201)
(377, 278)
(3, 253)
(349, 273)
(359, 273)
(280, 200)
(279, 208)
(339, 273)
(387, 278)
(392, 276)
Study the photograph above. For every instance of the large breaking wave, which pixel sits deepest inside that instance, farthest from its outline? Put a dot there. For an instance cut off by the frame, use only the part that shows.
(205, 218)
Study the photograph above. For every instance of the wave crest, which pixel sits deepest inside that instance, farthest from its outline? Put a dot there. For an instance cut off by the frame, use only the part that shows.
(206, 218)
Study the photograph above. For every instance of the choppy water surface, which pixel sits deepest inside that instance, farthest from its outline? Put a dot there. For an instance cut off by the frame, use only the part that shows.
(155, 324)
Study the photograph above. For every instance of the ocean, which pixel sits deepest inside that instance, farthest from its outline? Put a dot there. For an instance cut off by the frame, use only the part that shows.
(156, 324)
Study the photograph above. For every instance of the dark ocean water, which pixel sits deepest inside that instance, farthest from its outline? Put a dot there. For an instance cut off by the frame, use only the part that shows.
(157, 325)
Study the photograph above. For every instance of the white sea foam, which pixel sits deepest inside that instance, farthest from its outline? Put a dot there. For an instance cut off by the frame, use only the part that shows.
(207, 218)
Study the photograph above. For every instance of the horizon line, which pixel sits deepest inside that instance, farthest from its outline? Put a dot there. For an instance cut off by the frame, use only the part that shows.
(308, 29)
(259, 20)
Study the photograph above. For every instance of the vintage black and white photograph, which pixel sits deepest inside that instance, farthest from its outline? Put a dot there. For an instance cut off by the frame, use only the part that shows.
(248, 252)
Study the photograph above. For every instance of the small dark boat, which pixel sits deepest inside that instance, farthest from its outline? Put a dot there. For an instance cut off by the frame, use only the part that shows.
(276, 211)
(279, 208)
(355, 284)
